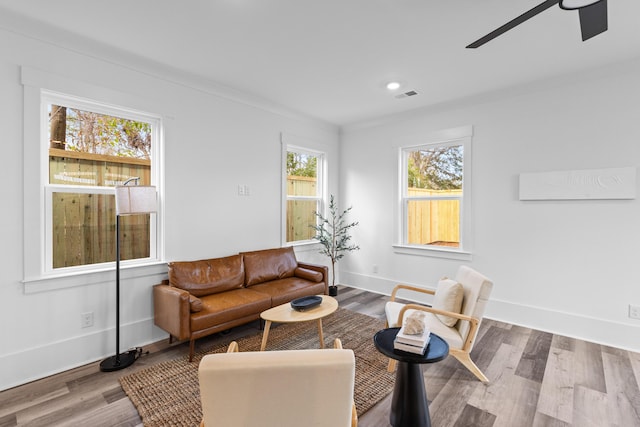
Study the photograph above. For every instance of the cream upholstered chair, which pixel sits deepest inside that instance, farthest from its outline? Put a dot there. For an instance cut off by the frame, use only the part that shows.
(278, 388)
(463, 323)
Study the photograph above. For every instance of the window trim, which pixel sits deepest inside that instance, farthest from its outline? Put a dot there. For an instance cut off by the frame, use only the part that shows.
(48, 97)
(449, 137)
(290, 143)
(40, 88)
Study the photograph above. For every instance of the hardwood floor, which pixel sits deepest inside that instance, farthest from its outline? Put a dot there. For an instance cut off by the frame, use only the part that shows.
(537, 379)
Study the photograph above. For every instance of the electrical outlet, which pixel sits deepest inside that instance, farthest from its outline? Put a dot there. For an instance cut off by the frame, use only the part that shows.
(634, 311)
(86, 320)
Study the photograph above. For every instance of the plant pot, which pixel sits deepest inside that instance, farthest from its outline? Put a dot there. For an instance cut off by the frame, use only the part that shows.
(333, 291)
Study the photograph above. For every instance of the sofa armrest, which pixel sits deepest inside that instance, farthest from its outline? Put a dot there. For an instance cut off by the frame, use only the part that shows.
(322, 269)
(171, 310)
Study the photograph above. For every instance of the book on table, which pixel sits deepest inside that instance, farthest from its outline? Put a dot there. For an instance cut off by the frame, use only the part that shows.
(411, 348)
(413, 343)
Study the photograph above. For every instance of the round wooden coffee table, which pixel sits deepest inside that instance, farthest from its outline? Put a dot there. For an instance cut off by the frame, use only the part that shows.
(285, 314)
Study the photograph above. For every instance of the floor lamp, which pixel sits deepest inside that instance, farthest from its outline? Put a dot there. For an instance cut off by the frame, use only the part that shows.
(130, 200)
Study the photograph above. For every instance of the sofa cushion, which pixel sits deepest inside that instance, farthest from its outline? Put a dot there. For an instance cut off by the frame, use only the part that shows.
(221, 308)
(448, 297)
(208, 276)
(269, 264)
(311, 275)
(285, 290)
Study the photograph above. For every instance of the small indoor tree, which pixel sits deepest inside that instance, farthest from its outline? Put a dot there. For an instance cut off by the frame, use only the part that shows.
(333, 235)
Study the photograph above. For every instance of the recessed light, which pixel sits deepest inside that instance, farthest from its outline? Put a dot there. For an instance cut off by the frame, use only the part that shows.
(393, 85)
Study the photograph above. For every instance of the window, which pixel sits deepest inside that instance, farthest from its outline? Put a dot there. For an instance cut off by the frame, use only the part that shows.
(304, 190)
(435, 194)
(91, 148)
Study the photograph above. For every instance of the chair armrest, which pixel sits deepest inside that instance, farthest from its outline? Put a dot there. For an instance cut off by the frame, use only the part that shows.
(434, 311)
(171, 310)
(468, 340)
(320, 268)
(410, 288)
(233, 347)
(354, 415)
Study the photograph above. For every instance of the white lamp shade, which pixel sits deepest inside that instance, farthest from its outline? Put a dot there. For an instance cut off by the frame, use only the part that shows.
(136, 199)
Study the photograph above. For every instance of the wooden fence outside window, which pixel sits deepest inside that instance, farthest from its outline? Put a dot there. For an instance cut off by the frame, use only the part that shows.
(435, 222)
(84, 225)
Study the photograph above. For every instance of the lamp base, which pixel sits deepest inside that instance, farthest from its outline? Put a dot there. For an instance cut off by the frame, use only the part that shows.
(121, 361)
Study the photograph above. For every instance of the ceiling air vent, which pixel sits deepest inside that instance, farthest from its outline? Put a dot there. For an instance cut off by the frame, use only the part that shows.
(406, 94)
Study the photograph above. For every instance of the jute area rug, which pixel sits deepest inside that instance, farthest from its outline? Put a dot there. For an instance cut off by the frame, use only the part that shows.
(168, 394)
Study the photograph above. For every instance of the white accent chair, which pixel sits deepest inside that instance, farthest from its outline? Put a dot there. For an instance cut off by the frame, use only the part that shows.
(461, 336)
(278, 388)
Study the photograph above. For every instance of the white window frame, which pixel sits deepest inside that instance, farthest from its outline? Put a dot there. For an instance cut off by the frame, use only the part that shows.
(446, 138)
(52, 98)
(41, 89)
(321, 185)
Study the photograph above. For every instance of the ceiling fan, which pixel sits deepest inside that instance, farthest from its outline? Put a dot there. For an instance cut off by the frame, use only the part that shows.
(593, 18)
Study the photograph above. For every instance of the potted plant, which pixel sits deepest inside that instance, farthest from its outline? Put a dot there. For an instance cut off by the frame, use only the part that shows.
(333, 235)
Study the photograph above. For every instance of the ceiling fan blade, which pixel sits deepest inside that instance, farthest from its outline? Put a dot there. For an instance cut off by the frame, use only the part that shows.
(513, 23)
(593, 19)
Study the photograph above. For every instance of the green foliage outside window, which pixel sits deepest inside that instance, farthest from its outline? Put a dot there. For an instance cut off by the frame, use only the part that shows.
(299, 164)
(436, 168)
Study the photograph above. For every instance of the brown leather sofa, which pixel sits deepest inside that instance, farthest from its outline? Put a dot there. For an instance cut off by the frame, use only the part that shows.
(208, 296)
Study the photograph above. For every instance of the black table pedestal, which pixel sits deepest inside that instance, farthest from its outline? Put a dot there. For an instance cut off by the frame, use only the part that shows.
(409, 407)
(409, 404)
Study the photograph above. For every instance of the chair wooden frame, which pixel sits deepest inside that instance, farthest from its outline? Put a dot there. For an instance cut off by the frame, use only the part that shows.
(463, 354)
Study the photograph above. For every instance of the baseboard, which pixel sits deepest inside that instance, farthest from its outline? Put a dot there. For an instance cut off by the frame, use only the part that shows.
(597, 330)
(586, 328)
(42, 361)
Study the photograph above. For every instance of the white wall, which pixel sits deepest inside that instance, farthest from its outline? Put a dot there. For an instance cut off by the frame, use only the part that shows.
(213, 143)
(570, 267)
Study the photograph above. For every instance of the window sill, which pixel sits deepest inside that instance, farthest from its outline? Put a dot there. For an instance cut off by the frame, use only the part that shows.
(56, 281)
(306, 245)
(433, 252)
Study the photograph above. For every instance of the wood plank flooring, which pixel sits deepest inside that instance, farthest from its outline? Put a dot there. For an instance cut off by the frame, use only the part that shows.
(537, 379)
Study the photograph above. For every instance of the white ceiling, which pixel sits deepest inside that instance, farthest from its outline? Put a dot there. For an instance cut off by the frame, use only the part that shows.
(329, 59)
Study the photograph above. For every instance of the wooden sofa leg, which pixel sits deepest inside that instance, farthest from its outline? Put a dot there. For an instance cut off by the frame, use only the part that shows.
(392, 365)
(192, 346)
(170, 339)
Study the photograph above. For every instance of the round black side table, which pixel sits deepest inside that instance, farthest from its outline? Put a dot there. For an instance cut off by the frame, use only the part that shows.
(409, 406)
